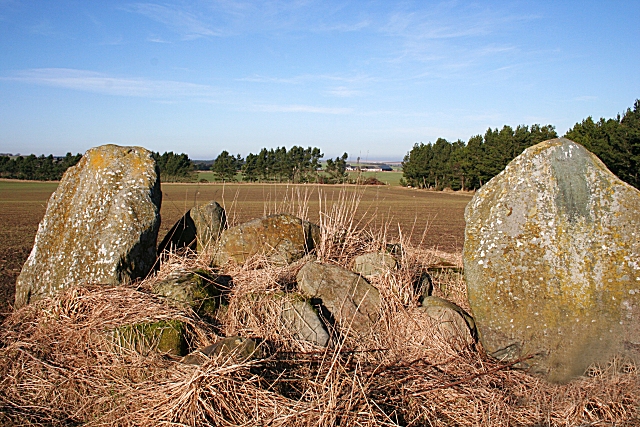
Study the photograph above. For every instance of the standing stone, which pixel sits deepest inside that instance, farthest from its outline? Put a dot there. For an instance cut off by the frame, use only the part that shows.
(349, 298)
(210, 220)
(101, 224)
(552, 261)
(282, 238)
(199, 229)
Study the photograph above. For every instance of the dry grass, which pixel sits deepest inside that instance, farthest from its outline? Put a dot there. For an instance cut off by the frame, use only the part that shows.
(58, 366)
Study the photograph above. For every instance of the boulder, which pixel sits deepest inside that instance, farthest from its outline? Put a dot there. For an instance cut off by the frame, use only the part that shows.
(551, 259)
(352, 302)
(302, 320)
(100, 226)
(453, 323)
(282, 238)
(196, 290)
(199, 229)
(210, 220)
(374, 264)
(163, 336)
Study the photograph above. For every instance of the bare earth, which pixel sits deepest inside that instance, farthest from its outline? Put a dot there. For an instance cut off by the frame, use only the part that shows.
(432, 219)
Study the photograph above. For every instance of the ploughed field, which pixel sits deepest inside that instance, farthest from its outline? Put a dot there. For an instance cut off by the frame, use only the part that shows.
(429, 219)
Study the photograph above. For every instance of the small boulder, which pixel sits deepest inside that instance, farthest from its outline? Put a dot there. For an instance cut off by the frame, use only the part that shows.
(164, 336)
(551, 261)
(374, 264)
(199, 229)
(101, 224)
(197, 290)
(453, 323)
(349, 298)
(302, 320)
(210, 220)
(282, 238)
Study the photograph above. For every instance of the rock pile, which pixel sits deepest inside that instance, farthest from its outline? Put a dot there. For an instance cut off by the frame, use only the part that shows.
(101, 228)
(552, 261)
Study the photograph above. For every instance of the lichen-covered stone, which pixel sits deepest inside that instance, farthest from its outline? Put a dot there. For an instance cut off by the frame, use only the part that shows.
(163, 336)
(196, 290)
(349, 298)
(199, 229)
(101, 224)
(552, 261)
(374, 263)
(301, 319)
(282, 238)
(210, 220)
(453, 323)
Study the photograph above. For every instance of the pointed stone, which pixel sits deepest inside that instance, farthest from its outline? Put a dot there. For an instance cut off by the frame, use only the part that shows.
(101, 224)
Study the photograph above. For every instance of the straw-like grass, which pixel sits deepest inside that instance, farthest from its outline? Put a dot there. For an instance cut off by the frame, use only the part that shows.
(59, 366)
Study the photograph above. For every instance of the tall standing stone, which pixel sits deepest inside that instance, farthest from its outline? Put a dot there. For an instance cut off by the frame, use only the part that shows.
(101, 224)
(552, 261)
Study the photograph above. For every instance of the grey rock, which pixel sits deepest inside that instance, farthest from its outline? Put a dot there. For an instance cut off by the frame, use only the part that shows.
(551, 261)
(196, 290)
(282, 238)
(302, 320)
(199, 229)
(210, 220)
(350, 299)
(101, 224)
(453, 322)
(374, 264)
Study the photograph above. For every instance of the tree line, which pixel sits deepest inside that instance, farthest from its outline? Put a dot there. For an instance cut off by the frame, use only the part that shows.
(296, 165)
(467, 166)
(457, 165)
(39, 168)
(173, 167)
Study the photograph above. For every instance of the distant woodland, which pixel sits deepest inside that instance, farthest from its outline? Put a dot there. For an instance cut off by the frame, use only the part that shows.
(455, 165)
(468, 165)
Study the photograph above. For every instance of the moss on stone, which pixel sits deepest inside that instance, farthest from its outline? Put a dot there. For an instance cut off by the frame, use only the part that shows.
(164, 336)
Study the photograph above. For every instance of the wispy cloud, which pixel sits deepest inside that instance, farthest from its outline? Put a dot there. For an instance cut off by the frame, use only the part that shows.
(304, 78)
(91, 81)
(295, 108)
(344, 27)
(343, 92)
(181, 21)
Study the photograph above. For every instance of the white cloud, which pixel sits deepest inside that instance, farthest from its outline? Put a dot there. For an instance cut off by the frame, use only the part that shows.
(91, 81)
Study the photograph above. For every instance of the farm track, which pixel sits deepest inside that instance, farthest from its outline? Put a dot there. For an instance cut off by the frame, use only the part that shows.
(429, 219)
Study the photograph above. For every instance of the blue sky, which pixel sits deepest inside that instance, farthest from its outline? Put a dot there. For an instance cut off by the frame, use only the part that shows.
(367, 77)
